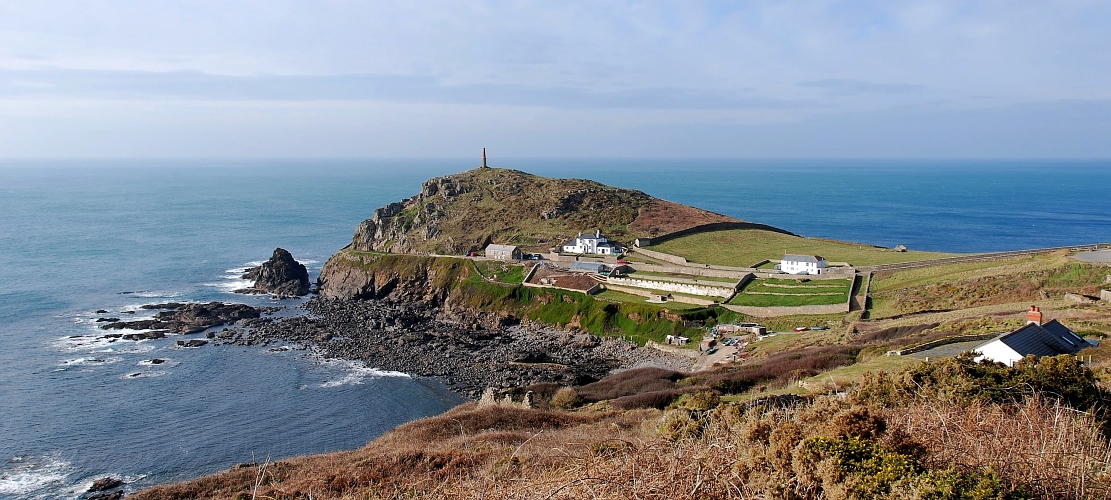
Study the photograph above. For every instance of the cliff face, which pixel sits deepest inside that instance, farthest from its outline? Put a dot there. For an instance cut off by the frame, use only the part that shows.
(349, 275)
(467, 211)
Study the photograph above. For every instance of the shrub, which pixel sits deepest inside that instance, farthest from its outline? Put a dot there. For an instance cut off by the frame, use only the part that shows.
(701, 401)
(565, 399)
(961, 380)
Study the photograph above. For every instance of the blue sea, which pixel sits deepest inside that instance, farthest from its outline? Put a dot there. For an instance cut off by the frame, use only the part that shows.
(78, 236)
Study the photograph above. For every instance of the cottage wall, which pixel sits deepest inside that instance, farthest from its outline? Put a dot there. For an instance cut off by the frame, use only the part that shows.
(1105, 295)
(998, 351)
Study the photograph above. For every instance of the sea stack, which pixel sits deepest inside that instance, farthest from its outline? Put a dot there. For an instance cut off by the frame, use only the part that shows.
(282, 276)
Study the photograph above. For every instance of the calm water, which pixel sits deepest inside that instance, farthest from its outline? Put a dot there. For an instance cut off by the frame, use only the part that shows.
(80, 236)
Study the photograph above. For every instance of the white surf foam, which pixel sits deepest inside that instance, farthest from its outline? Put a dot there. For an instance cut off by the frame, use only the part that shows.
(90, 361)
(146, 374)
(129, 347)
(158, 294)
(230, 284)
(81, 343)
(24, 476)
(353, 373)
(238, 271)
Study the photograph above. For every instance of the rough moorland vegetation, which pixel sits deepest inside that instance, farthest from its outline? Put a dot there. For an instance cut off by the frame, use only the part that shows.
(469, 210)
(1038, 430)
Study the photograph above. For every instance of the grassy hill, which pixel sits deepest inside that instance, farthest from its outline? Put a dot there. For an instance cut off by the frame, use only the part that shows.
(466, 211)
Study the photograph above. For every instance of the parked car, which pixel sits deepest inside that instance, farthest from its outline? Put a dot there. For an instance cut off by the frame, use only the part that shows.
(801, 328)
(621, 261)
(819, 328)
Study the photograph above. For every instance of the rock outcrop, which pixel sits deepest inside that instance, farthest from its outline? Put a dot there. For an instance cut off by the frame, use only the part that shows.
(281, 276)
(182, 318)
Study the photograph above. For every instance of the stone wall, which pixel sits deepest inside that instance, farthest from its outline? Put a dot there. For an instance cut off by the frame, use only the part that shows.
(1105, 295)
(670, 286)
(713, 226)
(692, 271)
(940, 342)
(648, 294)
(771, 312)
(666, 257)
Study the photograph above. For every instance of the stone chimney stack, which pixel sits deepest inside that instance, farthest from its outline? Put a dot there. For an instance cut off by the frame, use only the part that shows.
(484, 158)
(598, 233)
(1034, 315)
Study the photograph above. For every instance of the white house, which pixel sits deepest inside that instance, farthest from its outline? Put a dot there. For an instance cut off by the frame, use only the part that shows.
(590, 244)
(802, 264)
(503, 252)
(1049, 339)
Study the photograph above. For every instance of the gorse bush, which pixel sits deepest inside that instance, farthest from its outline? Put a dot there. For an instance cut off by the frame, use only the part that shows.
(961, 380)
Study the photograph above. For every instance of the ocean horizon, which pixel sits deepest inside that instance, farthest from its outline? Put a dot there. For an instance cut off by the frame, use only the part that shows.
(84, 235)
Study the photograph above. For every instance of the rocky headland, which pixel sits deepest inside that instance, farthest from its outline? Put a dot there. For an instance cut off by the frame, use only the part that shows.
(465, 212)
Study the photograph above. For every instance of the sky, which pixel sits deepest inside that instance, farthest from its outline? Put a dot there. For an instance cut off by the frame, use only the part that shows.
(598, 78)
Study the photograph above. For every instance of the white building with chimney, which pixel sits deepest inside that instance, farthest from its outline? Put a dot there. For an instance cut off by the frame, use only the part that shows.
(594, 244)
(802, 264)
(1037, 338)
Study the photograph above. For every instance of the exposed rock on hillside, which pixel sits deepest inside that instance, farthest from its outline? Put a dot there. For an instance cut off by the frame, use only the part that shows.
(282, 275)
(466, 211)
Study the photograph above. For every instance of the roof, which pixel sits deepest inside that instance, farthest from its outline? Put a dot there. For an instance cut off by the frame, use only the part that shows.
(500, 248)
(802, 258)
(594, 267)
(1049, 339)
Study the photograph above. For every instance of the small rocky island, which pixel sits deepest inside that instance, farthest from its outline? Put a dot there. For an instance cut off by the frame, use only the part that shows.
(281, 276)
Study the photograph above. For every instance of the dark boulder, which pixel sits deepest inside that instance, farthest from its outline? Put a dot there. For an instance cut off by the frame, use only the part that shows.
(192, 343)
(104, 483)
(114, 495)
(282, 276)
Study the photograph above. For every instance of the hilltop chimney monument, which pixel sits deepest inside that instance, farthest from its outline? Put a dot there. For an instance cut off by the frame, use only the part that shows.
(484, 158)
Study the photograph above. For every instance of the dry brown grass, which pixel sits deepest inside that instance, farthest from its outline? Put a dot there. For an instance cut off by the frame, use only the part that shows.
(734, 451)
(1054, 450)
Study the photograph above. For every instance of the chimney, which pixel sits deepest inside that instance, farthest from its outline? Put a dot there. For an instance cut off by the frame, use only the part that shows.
(484, 158)
(598, 233)
(1034, 315)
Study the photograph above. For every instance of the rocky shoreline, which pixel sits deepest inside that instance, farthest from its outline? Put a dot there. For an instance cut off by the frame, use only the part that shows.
(410, 338)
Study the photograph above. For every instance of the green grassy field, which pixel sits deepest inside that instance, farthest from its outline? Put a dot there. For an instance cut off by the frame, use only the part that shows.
(770, 292)
(745, 247)
(617, 296)
(502, 272)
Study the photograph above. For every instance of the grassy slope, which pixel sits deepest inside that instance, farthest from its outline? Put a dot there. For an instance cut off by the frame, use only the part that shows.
(745, 247)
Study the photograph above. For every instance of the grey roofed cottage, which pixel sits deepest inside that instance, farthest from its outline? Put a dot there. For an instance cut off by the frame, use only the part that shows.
(504, 252)
(1050, 339)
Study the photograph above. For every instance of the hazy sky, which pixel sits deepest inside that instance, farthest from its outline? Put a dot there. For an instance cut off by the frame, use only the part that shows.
(424, 78)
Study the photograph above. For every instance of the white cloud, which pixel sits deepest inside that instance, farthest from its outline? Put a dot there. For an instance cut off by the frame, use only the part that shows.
(177, 66)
